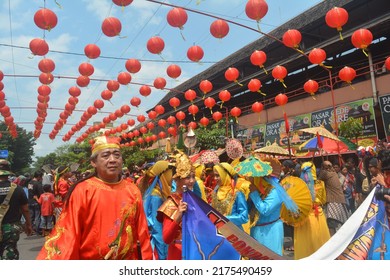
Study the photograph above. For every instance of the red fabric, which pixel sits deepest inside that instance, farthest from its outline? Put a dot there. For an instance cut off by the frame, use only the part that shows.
(46, 200)
(98, 214)
(319, 141)
(171, 233)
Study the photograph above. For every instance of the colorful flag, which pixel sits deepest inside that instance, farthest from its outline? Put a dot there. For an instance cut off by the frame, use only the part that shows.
(208, 235)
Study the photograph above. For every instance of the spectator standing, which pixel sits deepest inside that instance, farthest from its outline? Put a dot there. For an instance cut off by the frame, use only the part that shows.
(34, 192)
(46, 201)
(14, 204)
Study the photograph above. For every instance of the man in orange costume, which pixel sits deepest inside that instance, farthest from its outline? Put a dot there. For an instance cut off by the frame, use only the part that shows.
(103, 216)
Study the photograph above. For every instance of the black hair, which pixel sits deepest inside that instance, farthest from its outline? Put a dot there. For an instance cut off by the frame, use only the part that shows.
(46, 188)
(384, 157)
(38, 174)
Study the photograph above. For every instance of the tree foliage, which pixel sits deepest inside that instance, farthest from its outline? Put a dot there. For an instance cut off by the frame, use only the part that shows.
(352, 128)
(20, 149)
(213, 138)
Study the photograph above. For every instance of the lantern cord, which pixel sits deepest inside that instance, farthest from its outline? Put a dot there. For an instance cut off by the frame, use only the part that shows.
(258, 25)
(58, 4)
(259, 91)
(162, 57)
(300, 51)
(181, 33)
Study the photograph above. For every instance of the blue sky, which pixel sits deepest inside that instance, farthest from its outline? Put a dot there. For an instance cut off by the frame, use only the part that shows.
(79, 24)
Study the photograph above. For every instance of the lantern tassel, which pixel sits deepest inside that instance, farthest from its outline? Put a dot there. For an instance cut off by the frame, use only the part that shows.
(204, 96)
(283, 83)
(326, 66)
(181, 33)
(162, 57)
(300, 51)
(265, 70)
(364, 51)
(259, 117)
(236, 119)
(341, 36)
(350, 84)
(258, 25)
(312, 95)
(259, 91)
(221, 104)
(211, 110)
(238, 83)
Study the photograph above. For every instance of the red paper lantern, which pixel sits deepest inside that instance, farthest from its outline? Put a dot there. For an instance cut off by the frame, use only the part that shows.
(177, 17)
(347, 74)
(180, 115)
(336, 18)
(193, 109)
(224, 96)
(172, 131)
(125, 109)
(254, 85)
(205, 86)
(45, 19)
(219, 28)
(82, 81)
(141, 118)
(140, 140)
(86, 69)
(135, 101)
(311, 87)
(152, 114)
(193, 125)
(258, 58)
(317, 56)
(257, 107)
(171, 120)
(387, 63)
(73, 100)
(162, 122)
(279, 73)
(173, 71)
(46, 78)
(256, 9)
(195, 53)
(362, 38)
(204, 121)
(190, 95)
(281, 99)
(159, 83)
(159, 109)
(122, 3)
(162, 135)
(232, 74)
(174, 102)
(111, 26)
(292, 38)
(155, 45)
(131, 122)
(150, 125)
(92, 51)
(106, 94)
(124, 78)
(235, 112)
(91, 110)
(113, 85)
(39, 47)
(209, 102)
(136, 133)
(41, 98)
(133, 65)
(46, 65)
(145, 90)
(44, 90)
(74, 91)
(98, 103)
(217, 116)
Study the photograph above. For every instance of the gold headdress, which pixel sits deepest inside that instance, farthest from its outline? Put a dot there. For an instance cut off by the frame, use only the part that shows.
(183, 165)
(104, 142)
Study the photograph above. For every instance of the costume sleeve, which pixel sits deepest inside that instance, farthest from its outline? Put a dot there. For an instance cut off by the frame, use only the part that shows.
(155, 227)
(143, 232)
(239, 213)
(270, 203)
(170, 229)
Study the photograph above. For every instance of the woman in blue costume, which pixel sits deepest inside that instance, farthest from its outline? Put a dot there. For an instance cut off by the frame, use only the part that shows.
(228, 197)
(156, 187)
(265, 202)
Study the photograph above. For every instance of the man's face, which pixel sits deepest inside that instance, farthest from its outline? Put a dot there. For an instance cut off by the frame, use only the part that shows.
(108, 165)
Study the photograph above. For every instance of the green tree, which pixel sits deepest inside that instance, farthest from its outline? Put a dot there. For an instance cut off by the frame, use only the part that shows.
(211, 137)
(352, 128)
(20, 149)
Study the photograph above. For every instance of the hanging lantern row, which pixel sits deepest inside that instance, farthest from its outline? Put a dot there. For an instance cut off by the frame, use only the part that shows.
(5, 112)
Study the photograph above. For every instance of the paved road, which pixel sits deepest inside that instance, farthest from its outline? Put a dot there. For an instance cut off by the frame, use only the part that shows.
(29, 246)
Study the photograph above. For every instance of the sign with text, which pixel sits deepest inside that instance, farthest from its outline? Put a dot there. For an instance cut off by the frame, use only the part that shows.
(384, 103)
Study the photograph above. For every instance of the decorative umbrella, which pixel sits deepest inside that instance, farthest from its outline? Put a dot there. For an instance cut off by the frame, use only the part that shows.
(273, 149)
(320, 130)
(325, 144)
(253, 167)
(234, 149)
(297, 189)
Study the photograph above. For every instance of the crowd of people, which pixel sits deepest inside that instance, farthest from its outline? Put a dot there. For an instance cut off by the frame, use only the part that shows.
(116, 213)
